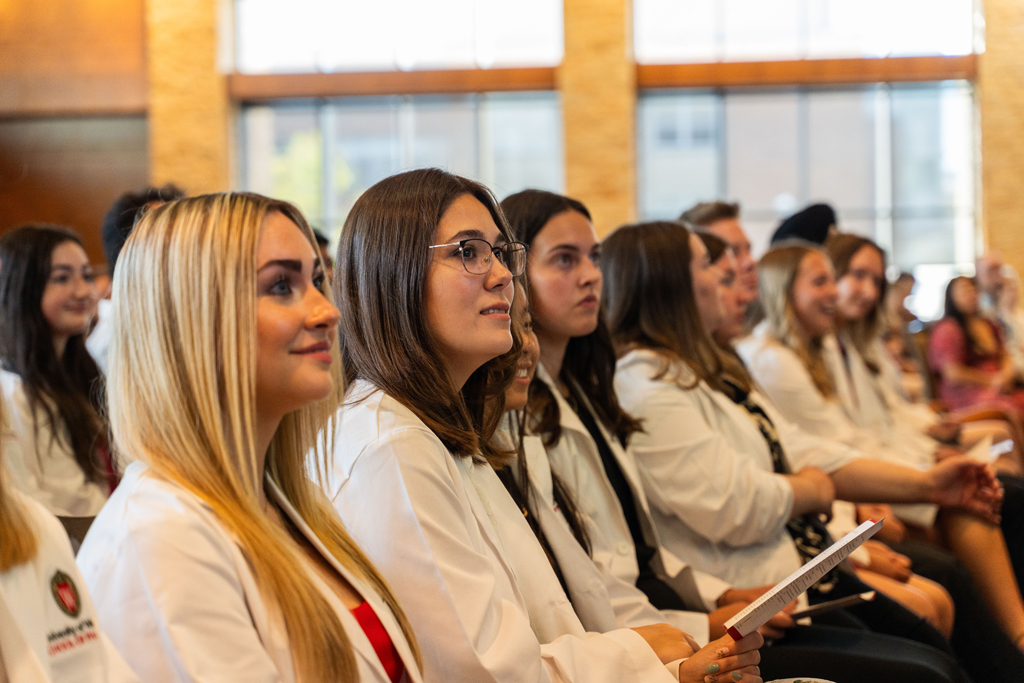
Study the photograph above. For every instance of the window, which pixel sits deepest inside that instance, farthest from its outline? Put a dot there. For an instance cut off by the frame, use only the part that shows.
(346, 35)
(668, 31)
(323, 155)
(896, 162)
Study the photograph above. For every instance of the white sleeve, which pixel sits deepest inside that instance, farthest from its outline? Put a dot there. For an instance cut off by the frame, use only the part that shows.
(807, 450)
(172, 602)
(788, 384)
(409, 513)
(695, 474)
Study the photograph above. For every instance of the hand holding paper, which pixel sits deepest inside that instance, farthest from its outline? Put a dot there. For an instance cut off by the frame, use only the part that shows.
(761, 610)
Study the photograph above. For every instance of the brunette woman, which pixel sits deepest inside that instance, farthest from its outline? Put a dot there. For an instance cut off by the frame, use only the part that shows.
(735, 487)
(217, 559)
(56, 439)
(573, 407)
(968, 354)
(424, 280)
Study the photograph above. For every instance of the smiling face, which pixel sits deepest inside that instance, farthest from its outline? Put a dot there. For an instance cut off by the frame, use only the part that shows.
(706, 280)
(70, 296)
(860, 288)
(565, 281)
(296, 325)
(814, 295)
(468, 315)
(518, 393)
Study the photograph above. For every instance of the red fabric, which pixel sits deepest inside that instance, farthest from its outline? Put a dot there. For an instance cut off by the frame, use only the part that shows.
(380, 640)
(948, 344)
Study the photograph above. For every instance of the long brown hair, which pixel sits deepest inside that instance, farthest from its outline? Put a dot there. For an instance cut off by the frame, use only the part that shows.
(589, 361)
(650, 304)
(182, 396)
(777, 273)
(380, 284)
(67, 390)
(841, 248)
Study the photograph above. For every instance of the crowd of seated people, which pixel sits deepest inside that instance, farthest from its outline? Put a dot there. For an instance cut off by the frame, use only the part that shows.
(478, 443)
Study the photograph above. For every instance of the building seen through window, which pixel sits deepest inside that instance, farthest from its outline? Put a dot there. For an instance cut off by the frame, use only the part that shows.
(897, 163)
(322, 155)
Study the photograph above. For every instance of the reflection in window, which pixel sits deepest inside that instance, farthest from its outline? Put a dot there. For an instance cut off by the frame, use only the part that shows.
(323, 155)
(669, 31)
(896, 162)
(345, 35)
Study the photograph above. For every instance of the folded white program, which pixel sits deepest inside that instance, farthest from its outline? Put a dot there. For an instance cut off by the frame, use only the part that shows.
(757, 613)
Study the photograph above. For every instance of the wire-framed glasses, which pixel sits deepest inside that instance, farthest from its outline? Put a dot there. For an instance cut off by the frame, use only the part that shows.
(478, 255)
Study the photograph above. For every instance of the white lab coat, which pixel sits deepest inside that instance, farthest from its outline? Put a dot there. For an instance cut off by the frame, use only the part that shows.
(41, 466)
(577, 461)
(708, 471)
(442, 531)
(785, 379)
(98, 341)
(596, 592)
(179, 600)
(49, 631)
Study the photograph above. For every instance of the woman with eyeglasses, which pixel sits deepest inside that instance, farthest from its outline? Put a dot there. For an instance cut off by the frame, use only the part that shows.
(425, 284)
(56, 437)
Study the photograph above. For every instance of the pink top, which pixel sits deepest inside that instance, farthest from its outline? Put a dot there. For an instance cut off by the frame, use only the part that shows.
(948, 344)
(381, 641)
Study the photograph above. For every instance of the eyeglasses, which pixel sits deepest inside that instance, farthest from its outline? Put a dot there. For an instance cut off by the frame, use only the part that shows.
(477, 255)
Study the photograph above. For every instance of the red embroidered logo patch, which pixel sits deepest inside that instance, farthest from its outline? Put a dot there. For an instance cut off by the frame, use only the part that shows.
(65, 593)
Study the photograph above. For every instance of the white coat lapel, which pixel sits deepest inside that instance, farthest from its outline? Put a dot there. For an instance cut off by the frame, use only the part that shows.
(837, 367)
(382, 611)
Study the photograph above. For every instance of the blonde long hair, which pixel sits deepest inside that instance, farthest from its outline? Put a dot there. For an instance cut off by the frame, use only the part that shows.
(777, 273)
(182, 398)
(18, 542)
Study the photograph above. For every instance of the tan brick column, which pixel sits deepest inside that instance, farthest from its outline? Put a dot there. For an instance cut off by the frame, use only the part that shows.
(189, 138)
(1001, 97)
(597, 80)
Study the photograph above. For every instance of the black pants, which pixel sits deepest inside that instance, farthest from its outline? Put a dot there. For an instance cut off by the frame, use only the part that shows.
(980, 645)
(1013, 523)
(907, 651)
(847, 655)
(882, 615)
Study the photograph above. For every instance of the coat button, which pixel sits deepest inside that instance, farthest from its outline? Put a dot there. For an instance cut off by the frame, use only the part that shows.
(623, 548)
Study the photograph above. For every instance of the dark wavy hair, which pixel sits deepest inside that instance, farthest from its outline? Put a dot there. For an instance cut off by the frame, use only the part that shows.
(952, 311)
(380, 286)
(589, 362)
(67, 390)
(651, 302)
(841, 248)
(121, 217)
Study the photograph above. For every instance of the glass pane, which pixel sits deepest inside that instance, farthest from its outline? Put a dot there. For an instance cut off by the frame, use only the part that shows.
(755, 29)
(284, 155)
(324, 156)
(933, 174)
(679, 140)
(345, 35)
(521, 144)
(668, 31)
(841, 155)
(763, 170)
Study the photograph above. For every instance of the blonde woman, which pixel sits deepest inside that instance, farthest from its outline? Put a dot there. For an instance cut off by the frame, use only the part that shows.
(49, 631)
(216, 559)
